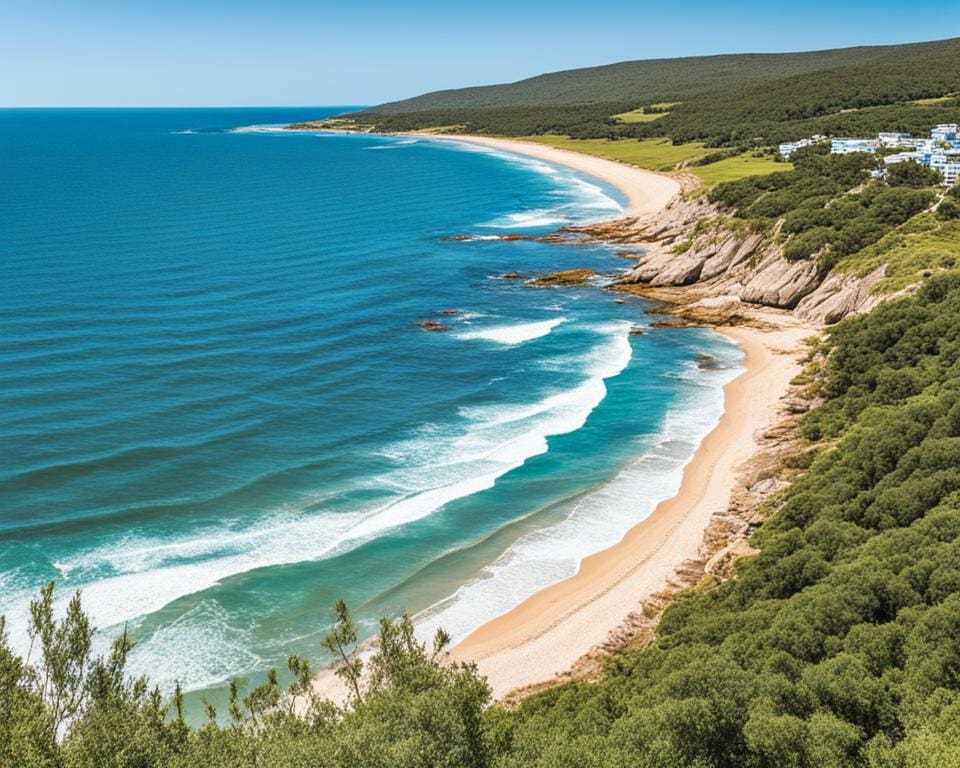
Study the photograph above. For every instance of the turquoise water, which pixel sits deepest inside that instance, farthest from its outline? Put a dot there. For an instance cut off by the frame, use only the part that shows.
(218, 414)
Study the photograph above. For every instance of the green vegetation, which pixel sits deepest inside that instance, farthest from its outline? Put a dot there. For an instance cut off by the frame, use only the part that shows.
(652, 154)
(638, 116)
(68, 709)
(837, 645)
(827, 206)
(738, 167)
(926, 244)
(741, 101)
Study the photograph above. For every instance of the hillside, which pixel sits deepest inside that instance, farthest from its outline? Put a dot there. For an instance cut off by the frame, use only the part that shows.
(728, 100)
(647, 81)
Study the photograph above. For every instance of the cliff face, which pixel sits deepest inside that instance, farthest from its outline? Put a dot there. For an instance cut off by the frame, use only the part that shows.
(683, 247)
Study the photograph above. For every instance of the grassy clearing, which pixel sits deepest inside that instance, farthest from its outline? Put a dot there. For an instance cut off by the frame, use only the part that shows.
(638, 116)
(652, 154)
(734, 168)
(661, 155)
(937, 100)
(924, 245)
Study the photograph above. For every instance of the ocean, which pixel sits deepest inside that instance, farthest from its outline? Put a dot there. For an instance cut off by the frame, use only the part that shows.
(218, 414)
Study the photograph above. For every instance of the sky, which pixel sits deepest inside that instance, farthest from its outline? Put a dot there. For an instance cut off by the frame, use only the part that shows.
(359, 52)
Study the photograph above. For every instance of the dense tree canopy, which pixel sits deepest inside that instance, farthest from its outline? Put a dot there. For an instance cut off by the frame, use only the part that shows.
(732, 101)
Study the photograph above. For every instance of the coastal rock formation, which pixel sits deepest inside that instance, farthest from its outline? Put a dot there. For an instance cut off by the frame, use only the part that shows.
(840, 295)
(691, 243)
(566, 277)
(432, 325)
(501, 238)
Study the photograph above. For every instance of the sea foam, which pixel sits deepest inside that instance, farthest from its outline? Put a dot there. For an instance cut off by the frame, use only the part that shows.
(517, 333)
(139, 575)
(589, 523)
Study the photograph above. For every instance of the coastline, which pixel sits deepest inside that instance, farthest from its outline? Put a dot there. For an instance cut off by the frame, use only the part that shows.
(559, 632)
(540, 640)
(647, 192)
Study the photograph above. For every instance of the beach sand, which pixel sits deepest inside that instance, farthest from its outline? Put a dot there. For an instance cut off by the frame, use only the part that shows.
(646, 192)
(543, 637)
(547, 633)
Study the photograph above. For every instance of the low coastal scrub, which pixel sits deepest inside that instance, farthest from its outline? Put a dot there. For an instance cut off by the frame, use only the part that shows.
(925, 245)
(67, 709)
(828, 207)
(837, 645)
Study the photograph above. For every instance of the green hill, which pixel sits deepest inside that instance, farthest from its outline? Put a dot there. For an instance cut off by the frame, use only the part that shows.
(743, 99)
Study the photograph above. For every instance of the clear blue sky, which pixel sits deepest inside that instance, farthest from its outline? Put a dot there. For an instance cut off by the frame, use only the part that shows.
(239, 52)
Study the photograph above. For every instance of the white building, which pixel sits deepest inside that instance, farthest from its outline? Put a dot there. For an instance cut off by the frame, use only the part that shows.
(951, 172)
(790, 147)
(894, 139)
(929, 152)
(946, 132)
(847, 146)
(904, 157)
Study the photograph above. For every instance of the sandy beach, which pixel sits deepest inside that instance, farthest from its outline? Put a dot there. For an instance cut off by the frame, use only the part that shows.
(544, 636)
(646, 192)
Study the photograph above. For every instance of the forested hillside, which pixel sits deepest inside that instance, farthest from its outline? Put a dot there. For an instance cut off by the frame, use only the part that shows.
(838, 645)
(653, 80)
(735, 100)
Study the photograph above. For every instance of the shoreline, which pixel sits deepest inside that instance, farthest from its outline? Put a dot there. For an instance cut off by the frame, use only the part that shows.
(540, 640)
(647, 192)
(552, 635)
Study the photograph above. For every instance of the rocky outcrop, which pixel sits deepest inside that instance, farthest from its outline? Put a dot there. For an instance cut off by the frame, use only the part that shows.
(841, 295)
(432, 325)
(777, 282)
(566, 277)
(692, 243)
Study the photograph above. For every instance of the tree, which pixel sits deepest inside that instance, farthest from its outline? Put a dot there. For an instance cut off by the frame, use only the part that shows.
(342, 643)
(912, 175)
(949, 209)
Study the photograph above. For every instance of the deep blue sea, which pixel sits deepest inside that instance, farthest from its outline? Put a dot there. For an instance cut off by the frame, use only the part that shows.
(218, 415)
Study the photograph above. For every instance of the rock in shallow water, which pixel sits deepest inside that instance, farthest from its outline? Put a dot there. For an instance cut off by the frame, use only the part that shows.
(432, 325)
(566, 277)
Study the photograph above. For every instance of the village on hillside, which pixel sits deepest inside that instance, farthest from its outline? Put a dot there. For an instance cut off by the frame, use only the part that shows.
(941, 151)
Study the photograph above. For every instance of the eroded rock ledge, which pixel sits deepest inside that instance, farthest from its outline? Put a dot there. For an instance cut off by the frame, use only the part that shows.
(691, 243)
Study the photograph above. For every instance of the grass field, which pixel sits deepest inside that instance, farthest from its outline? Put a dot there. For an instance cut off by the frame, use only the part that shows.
(925, 244)
(652, 154)
(938, 100)
(638, 116)
(661, 155)
(733, 168)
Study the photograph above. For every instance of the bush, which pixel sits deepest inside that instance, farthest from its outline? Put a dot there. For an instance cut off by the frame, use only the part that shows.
(912, 175)
(948, 209)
